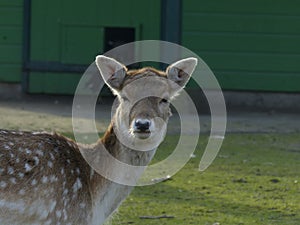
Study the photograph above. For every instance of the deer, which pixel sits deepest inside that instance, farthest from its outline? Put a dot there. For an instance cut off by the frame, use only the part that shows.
(44, 179)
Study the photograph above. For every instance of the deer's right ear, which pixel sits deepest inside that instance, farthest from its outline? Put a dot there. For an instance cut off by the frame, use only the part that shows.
(180, 72)
(111, 71)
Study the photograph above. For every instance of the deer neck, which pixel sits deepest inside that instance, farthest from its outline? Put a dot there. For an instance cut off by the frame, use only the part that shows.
(108, 195)
(122, 152)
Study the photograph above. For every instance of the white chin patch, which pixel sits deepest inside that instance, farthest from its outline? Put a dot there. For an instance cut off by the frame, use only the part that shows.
(142, 135)
(143, 141)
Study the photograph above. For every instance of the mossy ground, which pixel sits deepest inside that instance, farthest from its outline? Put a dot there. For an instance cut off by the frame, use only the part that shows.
(254, 180)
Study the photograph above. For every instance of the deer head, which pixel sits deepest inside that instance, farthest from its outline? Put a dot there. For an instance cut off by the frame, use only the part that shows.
(144, 98)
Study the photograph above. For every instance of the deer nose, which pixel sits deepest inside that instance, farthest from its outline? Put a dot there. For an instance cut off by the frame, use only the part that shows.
(142, 125)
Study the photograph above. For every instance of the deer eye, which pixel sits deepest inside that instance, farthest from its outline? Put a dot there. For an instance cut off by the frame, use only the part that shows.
(164, 101)
(125, 99)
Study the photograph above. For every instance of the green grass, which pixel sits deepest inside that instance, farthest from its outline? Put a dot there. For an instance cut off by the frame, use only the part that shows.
(254, 180)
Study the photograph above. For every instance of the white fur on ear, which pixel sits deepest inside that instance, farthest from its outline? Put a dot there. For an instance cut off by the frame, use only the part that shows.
(188, 65)
(111, 70)
(180, 72)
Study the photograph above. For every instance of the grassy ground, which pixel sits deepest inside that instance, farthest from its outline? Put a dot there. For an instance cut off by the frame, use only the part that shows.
(254, 180)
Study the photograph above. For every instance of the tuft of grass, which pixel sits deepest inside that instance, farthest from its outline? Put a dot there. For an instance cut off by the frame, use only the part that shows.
(254, 180)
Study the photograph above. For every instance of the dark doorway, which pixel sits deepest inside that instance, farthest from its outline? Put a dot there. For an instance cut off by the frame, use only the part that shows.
(116, 36)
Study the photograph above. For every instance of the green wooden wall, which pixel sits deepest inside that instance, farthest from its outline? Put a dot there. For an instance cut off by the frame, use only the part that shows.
(11, 20)
(68, 31)
(249, 44)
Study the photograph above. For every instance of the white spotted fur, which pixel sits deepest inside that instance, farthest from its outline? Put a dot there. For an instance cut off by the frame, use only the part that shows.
(44, 179)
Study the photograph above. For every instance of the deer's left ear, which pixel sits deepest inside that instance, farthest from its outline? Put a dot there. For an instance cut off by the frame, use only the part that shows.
(180, 72)
(111, 71)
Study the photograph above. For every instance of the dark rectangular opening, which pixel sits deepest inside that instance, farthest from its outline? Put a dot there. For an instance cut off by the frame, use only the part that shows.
(116, 36)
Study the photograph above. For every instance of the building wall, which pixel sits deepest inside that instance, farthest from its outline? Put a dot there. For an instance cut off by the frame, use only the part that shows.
(73, 32)
(249, 45)
(11, 12)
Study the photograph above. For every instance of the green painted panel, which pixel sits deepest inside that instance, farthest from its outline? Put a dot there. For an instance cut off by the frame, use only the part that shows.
(38, 31)
(251, 62)
(288, 7)
(10, 73)
(53, 40)
(10, 53)
(11, 3)
(58, 83)
(11, 16)
(241, 23)
(250, 45)
(10, 35)
(259, 81)
(243, 42)
(74, 37)
(45, 31)
(68, 31)
(81, 13)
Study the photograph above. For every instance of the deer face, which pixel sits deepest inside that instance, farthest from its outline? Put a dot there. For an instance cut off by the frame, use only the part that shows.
(144, 97)
(144, 105)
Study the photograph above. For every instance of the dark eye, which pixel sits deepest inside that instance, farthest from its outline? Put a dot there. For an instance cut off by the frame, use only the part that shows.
(125, 98)
(164, 100)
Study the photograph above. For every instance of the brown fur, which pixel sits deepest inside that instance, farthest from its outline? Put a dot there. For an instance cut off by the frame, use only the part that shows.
(132, 75)
(36, 160)
(44, 178)
(109, 139)
(146, 70)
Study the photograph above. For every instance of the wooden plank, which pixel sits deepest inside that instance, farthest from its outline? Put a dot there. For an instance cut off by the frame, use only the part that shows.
(289, 7)
(242, 42)
(280, 82)
(149, 18)
(126, 15)
(251, 62)
(10, 35)
(10, 54)
(248, 23)
(11, 16)
(38, 33)
(10, 72)
(250, 45)
(58, 83)
(82, 14)
(76, 36)
(82, 44)
(5, 3)
(53, 38)
(251, 81)
(46, 43)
